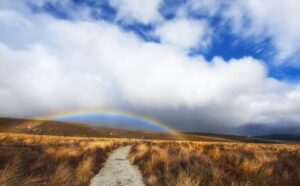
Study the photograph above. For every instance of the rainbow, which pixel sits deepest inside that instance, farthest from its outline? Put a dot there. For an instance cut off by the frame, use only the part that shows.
(142, 120)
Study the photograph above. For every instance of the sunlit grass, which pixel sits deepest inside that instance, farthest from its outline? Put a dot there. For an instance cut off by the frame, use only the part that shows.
(50, 160)
(203, 163)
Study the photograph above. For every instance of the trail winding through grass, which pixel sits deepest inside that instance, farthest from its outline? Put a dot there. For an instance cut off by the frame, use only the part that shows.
(118, 171)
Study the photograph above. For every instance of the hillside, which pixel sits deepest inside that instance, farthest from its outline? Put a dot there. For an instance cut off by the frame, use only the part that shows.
(29, 126)
(42, 127)
(287, 137)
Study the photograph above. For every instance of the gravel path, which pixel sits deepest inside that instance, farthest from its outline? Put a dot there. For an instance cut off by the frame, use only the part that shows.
(118, 171)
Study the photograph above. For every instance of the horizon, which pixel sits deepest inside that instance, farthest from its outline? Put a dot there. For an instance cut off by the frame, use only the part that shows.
(226, 67)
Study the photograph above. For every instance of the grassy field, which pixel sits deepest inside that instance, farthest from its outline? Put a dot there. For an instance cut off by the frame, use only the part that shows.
(217, 163)
(50, 160)
(55, 160)
(57, 153)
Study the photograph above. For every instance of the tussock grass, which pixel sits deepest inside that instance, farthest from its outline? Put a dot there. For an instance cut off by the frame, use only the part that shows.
(217, 163)
(50, 160)
(84, 169)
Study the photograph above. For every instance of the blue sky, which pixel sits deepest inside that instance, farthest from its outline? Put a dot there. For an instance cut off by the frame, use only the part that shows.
(218, 64)
(224, 43)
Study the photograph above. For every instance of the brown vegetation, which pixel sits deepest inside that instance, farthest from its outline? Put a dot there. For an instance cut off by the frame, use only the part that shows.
(216, 163)
(48, 127)
(49, 160)
(53, 160)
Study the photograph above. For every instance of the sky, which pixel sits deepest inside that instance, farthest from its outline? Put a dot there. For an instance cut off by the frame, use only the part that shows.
(205, 66)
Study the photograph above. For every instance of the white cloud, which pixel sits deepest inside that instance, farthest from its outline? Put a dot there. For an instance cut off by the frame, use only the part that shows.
(257, 20)
(89, 64)
(9, 17)
(137, 10)
(207, 8)
(278, 20)
(184, 33)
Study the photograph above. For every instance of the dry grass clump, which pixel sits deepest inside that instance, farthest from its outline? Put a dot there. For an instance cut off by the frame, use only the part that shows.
(83, 170)
(49, 160)
(202, 163)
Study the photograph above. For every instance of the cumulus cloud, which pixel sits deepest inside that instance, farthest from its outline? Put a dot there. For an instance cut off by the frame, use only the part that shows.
(93, 64)
(184, 33)
(137, 10)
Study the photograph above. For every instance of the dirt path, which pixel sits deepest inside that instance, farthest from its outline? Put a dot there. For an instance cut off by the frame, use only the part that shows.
(118, 171)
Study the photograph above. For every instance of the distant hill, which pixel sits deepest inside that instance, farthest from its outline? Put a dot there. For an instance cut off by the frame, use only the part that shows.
(261, 129)
(43, 127)
(249, 139)
(288, 137)
(29, 126)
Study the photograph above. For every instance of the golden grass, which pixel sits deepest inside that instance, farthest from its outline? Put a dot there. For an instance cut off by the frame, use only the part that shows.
(217, 163)
(50, 160)
(84, 170)
(62, 175)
